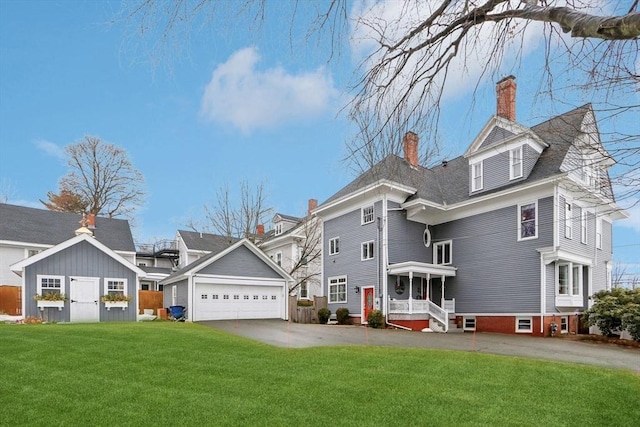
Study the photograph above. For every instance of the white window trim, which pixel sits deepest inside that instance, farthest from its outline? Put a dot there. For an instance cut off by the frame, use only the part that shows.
(277, 229)
(524, 331)
(337, 280)
(362, 214)
(435, 252)
(304, 286)
(370, 250)
(583, 226)
(278, 258)
(464, 323)
(535, 236)
(564, 320)
(598, 233)
(114, 279)
(332, 250)
(174, 295)
(570, 266)
(39, 278)
(479, 176)
(568, 220)
(512, 163)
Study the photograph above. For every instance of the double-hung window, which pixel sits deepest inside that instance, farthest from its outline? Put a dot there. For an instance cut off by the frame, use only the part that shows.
(338, 289)
(568, 221)
(583, 226)
(528, 221)
(277, 229)
(570, 279)
(50, 285)
(367, 250)
(279, 258)
(515, 163)
(334, 246)
(599, 233)
(367, 215)
(115, 286)
(442, 252)
(476, 176)
(304, 290)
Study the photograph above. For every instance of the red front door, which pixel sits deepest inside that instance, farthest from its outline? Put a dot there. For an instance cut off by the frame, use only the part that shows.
(367, 302)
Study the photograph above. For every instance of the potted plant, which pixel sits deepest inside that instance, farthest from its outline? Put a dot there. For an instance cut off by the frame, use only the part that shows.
(115, 300)
(53, 299)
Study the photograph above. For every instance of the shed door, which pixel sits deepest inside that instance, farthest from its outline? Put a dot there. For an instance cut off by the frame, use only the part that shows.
(84, 299)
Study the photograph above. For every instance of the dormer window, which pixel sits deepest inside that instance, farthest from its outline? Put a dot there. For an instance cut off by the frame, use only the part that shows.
(476, 176)
(515, 163)
(278, 229)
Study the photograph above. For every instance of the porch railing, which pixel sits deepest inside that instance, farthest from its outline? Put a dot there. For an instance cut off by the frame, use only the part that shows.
(414, 306)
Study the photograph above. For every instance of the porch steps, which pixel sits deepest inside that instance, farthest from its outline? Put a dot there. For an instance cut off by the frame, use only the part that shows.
(436, 326)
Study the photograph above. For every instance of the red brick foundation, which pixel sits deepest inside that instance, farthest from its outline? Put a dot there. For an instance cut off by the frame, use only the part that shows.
(507, 324)
(414, 325)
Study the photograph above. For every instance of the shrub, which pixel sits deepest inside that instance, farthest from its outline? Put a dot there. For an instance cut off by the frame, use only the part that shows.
(52, 296)
(115, 297)
(342, 314)
(615, 310)
(323, 315)
(375, 319)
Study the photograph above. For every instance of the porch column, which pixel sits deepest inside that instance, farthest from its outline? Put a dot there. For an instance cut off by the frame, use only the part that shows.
(410, 292)
(442, 299)
(427, 285)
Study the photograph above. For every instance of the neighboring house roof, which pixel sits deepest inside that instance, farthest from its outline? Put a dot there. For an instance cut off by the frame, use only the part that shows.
(205, 241)
(214, 256)
(19, 266)
(44, 227)
(155, 270)
(287, 217)
(448, 183)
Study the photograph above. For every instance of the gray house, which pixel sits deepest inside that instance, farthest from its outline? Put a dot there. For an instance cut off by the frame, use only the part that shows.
(48, 253)
(511, 237)
(237, 281)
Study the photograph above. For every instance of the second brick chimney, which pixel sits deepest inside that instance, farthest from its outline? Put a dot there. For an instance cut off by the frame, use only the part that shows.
(313, 204)
(506, 98)
(260, 229)
(411, 148)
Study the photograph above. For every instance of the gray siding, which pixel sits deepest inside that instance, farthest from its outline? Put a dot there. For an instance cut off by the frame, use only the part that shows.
(496, 272)
(85, 260)
(347, 263)
(182, 293)
(496, 169)
(240, 262)
(406, 239)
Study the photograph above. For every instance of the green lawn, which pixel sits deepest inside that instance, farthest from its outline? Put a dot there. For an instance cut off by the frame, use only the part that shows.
(166, 374)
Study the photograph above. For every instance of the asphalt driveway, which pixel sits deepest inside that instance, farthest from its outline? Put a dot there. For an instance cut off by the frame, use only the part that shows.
(294, 335)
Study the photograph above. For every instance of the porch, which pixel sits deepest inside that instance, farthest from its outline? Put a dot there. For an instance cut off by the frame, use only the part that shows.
(423, 307)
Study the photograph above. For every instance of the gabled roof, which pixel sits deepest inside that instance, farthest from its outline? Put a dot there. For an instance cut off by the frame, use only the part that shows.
(205, 241)
(283, 217)
(214, 256)
(44, 227)
(446, 185)
(17, 267)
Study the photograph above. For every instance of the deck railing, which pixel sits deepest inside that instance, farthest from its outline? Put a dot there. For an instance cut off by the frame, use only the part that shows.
(419, 306)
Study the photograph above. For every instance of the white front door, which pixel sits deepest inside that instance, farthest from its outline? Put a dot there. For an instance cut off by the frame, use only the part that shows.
(84, 299)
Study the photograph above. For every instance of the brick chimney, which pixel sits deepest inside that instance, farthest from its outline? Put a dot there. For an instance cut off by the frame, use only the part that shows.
(91, 221)
(506, 98)
(260, 229)
(313, 204)
(411, 148)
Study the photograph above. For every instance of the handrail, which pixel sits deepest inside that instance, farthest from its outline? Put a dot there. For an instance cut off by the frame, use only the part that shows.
(439, 314)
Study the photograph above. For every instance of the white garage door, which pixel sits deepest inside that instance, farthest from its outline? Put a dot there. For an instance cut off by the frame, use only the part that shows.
(220, 302)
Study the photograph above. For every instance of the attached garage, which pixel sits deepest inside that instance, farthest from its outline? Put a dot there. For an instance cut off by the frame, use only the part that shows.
(240, 282)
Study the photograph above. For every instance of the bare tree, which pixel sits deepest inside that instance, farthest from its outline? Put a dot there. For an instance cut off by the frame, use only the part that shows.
(238, 217)
(7, 190)
(305, 267)
(102, 176)
(412, 50)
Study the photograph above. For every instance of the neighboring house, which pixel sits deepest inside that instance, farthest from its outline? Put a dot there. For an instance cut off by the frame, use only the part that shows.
(295, 244)
(158, 260)
(194, 245)
(237, 281)
(511, 237)
(56, 252)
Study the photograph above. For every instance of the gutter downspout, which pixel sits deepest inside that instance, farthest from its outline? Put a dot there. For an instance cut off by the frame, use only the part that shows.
(543, 293)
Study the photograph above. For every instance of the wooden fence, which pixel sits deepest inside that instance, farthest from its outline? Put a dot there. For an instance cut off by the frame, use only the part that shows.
(150, 300)
(305, 314)
(11, 300)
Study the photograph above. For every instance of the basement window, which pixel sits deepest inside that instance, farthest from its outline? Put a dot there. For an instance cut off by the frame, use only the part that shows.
(469, 323)
(524, 325)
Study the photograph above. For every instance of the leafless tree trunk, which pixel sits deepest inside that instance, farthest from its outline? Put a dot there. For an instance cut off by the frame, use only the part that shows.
(306, 266)
(102, 176)
(241, 219)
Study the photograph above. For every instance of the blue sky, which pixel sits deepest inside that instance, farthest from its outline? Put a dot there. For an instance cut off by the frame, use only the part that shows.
(228, 106)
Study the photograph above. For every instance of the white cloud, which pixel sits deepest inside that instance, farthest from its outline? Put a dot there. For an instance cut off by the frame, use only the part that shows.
(250, 99)
(633, 222)
(50, 149)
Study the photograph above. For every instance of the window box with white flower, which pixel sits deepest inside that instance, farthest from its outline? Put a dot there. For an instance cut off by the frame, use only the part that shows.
(115, 294)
